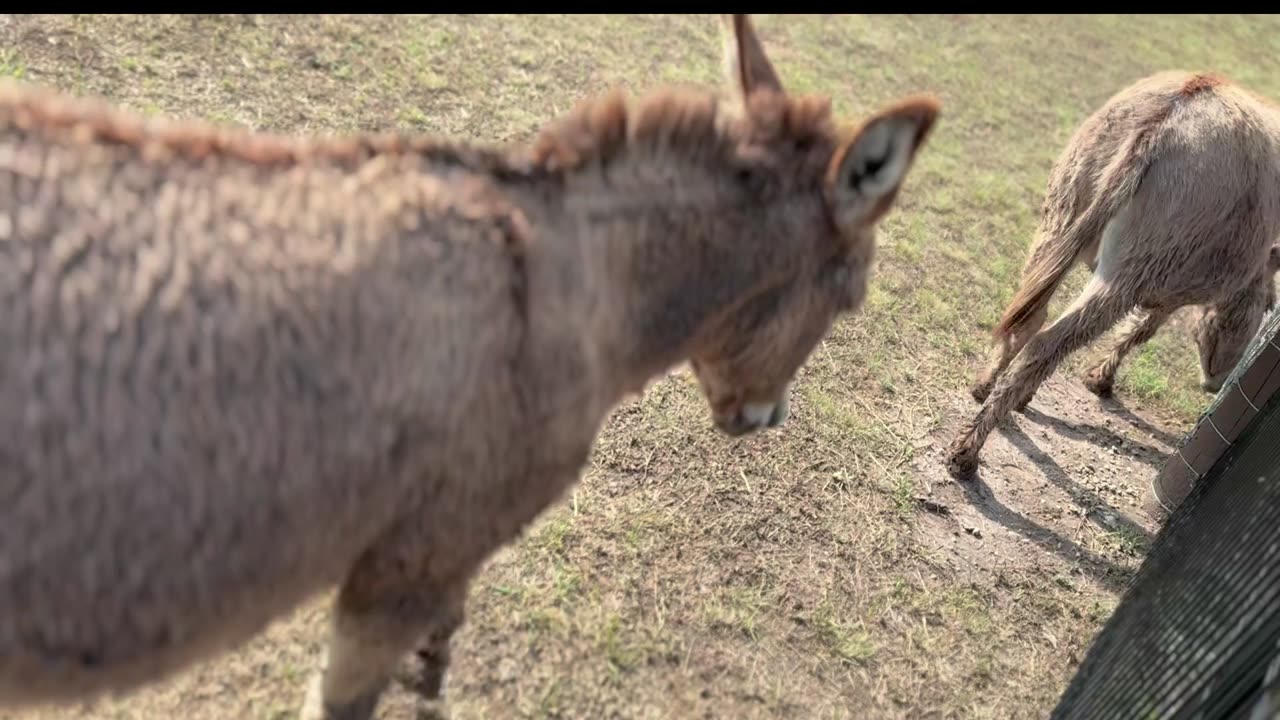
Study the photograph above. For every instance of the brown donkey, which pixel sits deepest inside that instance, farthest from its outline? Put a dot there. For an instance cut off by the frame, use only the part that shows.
(1171, 194)
(240, 369)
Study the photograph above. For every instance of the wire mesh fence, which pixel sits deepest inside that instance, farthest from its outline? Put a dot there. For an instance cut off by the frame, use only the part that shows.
(1197, 633)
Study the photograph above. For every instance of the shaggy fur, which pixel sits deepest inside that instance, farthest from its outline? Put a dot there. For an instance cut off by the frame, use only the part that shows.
(240, 369)
(1171, 194)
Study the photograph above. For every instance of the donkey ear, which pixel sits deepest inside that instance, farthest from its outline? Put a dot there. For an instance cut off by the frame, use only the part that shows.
(866, 172)
(746, 66)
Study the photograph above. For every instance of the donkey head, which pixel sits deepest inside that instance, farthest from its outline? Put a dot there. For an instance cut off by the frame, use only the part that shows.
(1224, 331)
(747, 358)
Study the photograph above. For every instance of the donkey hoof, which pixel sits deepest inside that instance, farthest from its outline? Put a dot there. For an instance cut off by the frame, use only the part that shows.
(980, 391)
(1098, 383)
(1022, 406)
(962, 461)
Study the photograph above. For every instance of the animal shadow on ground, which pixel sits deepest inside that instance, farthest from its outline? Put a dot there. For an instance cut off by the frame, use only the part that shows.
(1101, 437)
(1025, 489)
(1084, 497)
(1114, 407)
(1109, 574)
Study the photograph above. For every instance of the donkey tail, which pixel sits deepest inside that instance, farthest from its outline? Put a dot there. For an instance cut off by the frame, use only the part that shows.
(1053, 259)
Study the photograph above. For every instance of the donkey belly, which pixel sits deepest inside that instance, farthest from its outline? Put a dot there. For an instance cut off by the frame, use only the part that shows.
(36, 671)
(106, 596)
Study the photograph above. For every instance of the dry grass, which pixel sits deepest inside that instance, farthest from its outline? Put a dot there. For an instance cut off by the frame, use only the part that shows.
(794, 574)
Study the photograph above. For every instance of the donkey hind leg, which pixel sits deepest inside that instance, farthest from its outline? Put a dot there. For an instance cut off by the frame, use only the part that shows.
(1007, 346)
(1091, 260)
(1005, 349)
(377, 622)
(1097, 309)
(1139, 328)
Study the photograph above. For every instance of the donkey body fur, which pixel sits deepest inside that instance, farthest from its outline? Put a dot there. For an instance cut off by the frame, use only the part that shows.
(1170, 193)
(240, 369)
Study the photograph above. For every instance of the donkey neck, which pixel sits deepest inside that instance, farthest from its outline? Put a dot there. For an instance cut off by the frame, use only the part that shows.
(664, 259)
(673, 211)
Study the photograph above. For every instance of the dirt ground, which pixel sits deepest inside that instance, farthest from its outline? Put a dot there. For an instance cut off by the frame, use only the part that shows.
(826, 570)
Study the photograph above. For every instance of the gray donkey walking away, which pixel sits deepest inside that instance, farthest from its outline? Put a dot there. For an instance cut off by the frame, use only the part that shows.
(1170, 192)
(238, 369)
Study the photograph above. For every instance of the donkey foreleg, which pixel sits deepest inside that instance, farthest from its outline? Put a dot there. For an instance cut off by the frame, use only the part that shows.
(390, 606)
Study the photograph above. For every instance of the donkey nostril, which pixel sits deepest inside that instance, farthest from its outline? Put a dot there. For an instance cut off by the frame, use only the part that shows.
(734, 425)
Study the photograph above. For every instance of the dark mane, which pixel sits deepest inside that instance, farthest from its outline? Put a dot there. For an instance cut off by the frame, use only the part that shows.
(92, 120)
(1201, 82)
(684, 121)
(687, 122)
